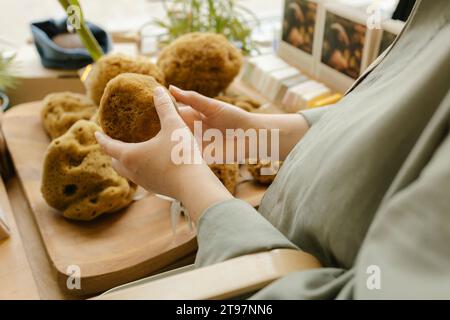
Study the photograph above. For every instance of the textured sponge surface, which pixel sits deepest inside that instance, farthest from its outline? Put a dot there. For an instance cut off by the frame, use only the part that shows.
(203, 62)
(127, 111)
(78, 178)
(227, 173)
(62, 109)
(110, 66)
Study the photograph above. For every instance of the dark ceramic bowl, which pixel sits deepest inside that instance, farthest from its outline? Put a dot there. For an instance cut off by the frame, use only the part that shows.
(54, 56)
(4, 101)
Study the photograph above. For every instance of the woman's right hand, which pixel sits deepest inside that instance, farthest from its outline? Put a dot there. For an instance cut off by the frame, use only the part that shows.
(207, 114)
(211, 113)
(215, 114)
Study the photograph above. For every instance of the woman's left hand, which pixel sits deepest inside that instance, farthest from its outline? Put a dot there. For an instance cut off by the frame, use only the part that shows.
(150, 164)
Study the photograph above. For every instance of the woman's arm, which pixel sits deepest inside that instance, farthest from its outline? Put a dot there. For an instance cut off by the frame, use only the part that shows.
(292, 128)
(150, 164)
(227, 227)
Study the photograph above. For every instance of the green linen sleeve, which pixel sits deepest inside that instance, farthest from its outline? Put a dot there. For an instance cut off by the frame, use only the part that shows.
(406, 253)
(233, 228)
(314, 115)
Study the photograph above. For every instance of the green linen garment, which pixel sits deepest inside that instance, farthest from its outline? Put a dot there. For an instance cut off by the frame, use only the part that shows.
(368, 185)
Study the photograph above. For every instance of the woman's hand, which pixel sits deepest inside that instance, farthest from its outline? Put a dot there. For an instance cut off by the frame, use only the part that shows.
(211, 112)
(150, 164)
(215, 114)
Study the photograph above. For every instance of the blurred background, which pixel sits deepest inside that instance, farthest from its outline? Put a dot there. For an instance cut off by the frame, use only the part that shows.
(135, 27)
(129, 15)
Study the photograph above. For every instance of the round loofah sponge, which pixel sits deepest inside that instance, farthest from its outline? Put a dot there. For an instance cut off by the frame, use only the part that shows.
(110, 66)
(203, 62)
(127, 111)
(61, 110)
(78, 178)
(255, 171)
(227, 174)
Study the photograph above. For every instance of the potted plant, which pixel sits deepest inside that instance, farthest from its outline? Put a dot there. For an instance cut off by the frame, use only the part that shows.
(227, 17)
(59, 47)
(7, 78)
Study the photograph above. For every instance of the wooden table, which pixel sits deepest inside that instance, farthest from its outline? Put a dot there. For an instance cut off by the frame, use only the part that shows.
(37, 279)
(16, 277)
(40, 271)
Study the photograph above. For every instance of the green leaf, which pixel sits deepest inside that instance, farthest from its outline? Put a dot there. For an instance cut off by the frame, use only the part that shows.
(85, 34)
(227, 17)
(8, 79)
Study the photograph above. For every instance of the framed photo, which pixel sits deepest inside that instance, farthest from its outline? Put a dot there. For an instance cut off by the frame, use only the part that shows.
(390, 30)
(301, 19)
(346, 46)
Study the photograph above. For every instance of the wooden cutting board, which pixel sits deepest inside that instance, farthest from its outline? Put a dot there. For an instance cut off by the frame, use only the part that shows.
(113, 249)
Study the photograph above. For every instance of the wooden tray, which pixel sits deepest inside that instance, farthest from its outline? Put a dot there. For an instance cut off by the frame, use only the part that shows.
(16, 277)
(113, 249)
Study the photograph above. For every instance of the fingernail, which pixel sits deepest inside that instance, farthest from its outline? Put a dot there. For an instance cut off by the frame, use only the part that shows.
(159, 91)
(172, 87)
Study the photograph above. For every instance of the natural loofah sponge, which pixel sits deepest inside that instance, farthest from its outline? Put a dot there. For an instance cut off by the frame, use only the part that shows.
(203, 62)
(110, 66)
(61, 110)
(227, 174)
(127, 111)
(78, 178)
(255, 171)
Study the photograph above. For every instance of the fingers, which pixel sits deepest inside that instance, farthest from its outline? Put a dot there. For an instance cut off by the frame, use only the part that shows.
(188, 114)
(203, 104)
(113, 148)
(164, 105)
(185, 111)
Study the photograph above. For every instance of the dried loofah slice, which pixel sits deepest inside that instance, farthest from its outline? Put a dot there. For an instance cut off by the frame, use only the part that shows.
(243, 102)
(78, 178)
(203, 62)
(244, 106)
(62, 109)
(255, 171)
(227, 173)
(254, 103)
(226, 98)
(110, 66)
(127, 111)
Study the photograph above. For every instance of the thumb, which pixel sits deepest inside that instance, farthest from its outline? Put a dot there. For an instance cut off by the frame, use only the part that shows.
(164, 105)
(113, 148)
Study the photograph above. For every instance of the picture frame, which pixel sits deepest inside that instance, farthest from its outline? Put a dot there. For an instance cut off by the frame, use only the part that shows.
(346, 45)
(300, 33)
(390, 29)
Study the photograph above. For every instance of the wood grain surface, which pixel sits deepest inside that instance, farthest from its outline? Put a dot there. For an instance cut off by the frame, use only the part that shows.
(113, 249)
(16, 279)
